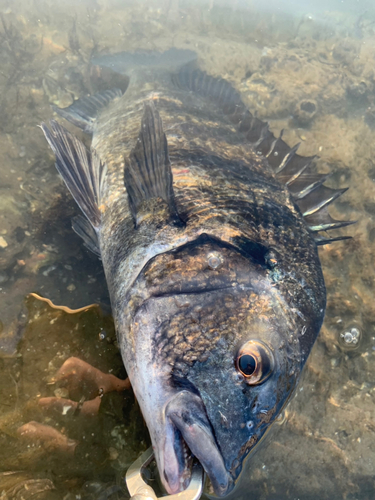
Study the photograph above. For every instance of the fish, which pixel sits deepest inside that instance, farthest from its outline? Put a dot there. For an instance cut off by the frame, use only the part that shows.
(208, 228)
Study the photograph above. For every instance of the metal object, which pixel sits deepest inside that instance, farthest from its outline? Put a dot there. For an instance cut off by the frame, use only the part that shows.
(140, 490)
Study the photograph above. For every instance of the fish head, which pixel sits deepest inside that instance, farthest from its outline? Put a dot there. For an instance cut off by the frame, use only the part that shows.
(216, 358)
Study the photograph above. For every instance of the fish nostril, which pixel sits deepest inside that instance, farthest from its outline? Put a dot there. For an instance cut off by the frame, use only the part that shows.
(255, 405)
(214, 260)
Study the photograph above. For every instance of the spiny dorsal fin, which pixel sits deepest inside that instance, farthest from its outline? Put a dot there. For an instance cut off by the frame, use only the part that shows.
(82, 171)
(322, 221)
(307, 190)
(281, 157)
(83, 112)
(305, 184)
(148, 173)
(318, 199)
(320, 240)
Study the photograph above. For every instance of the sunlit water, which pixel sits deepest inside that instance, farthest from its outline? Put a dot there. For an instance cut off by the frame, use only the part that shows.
(308, 69)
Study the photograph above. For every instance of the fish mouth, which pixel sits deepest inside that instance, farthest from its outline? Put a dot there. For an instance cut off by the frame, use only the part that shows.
(189, 434)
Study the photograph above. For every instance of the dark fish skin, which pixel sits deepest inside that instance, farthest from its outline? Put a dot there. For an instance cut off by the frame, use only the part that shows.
(222, 188)
(217, 264)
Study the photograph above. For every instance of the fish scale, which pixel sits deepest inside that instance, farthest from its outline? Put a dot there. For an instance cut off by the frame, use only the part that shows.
(207, 226)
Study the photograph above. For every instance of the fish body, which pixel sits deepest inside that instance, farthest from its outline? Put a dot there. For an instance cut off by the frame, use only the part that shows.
(213, 270)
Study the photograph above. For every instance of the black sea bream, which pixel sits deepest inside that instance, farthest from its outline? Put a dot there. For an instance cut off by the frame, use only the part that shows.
(207, 226)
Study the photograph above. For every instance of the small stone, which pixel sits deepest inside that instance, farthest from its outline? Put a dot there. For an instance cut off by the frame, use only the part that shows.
(3, 242)
(113, 453)
(102, 335)
(3, 278)
(71, 287)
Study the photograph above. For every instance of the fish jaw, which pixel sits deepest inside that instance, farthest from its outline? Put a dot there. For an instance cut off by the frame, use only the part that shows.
(180, 430)
(186, 414)
(176, 418)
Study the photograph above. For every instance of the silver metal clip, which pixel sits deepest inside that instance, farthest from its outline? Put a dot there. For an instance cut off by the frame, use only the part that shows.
(140, 490)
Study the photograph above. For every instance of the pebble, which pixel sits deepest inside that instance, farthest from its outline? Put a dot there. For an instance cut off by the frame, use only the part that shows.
(3, 278)
(3, 242)
(71, 287)
(113, 453)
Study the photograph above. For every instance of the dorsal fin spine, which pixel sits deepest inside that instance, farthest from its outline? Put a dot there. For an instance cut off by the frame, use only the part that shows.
(148, 173)
(287, 158)
(324, 201)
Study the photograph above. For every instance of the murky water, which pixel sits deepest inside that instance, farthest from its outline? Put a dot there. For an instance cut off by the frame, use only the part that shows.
(304, 69)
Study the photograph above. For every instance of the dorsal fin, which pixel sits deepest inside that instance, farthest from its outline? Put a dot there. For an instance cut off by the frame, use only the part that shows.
(82, 170)
(307, 190)
(322, 221)
(305, 184)
(148, 173)
(83, 112)
(295, 166)
(321, 240)
(318, 199)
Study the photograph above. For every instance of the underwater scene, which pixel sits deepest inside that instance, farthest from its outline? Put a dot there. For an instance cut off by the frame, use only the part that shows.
(213, 302)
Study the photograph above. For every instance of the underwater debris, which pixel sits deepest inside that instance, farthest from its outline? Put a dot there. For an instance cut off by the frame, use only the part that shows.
(305, 112)
(3, 242)
(16, 485)
(63, 308)
(350, 338)
(357, 90)
(72, 435)
(48, 438)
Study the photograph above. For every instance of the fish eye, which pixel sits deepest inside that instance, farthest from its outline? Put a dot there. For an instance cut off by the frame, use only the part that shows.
(255, 362)
(247, 364)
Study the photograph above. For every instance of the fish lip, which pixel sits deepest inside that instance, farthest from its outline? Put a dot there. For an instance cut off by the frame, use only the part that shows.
(185, 414)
